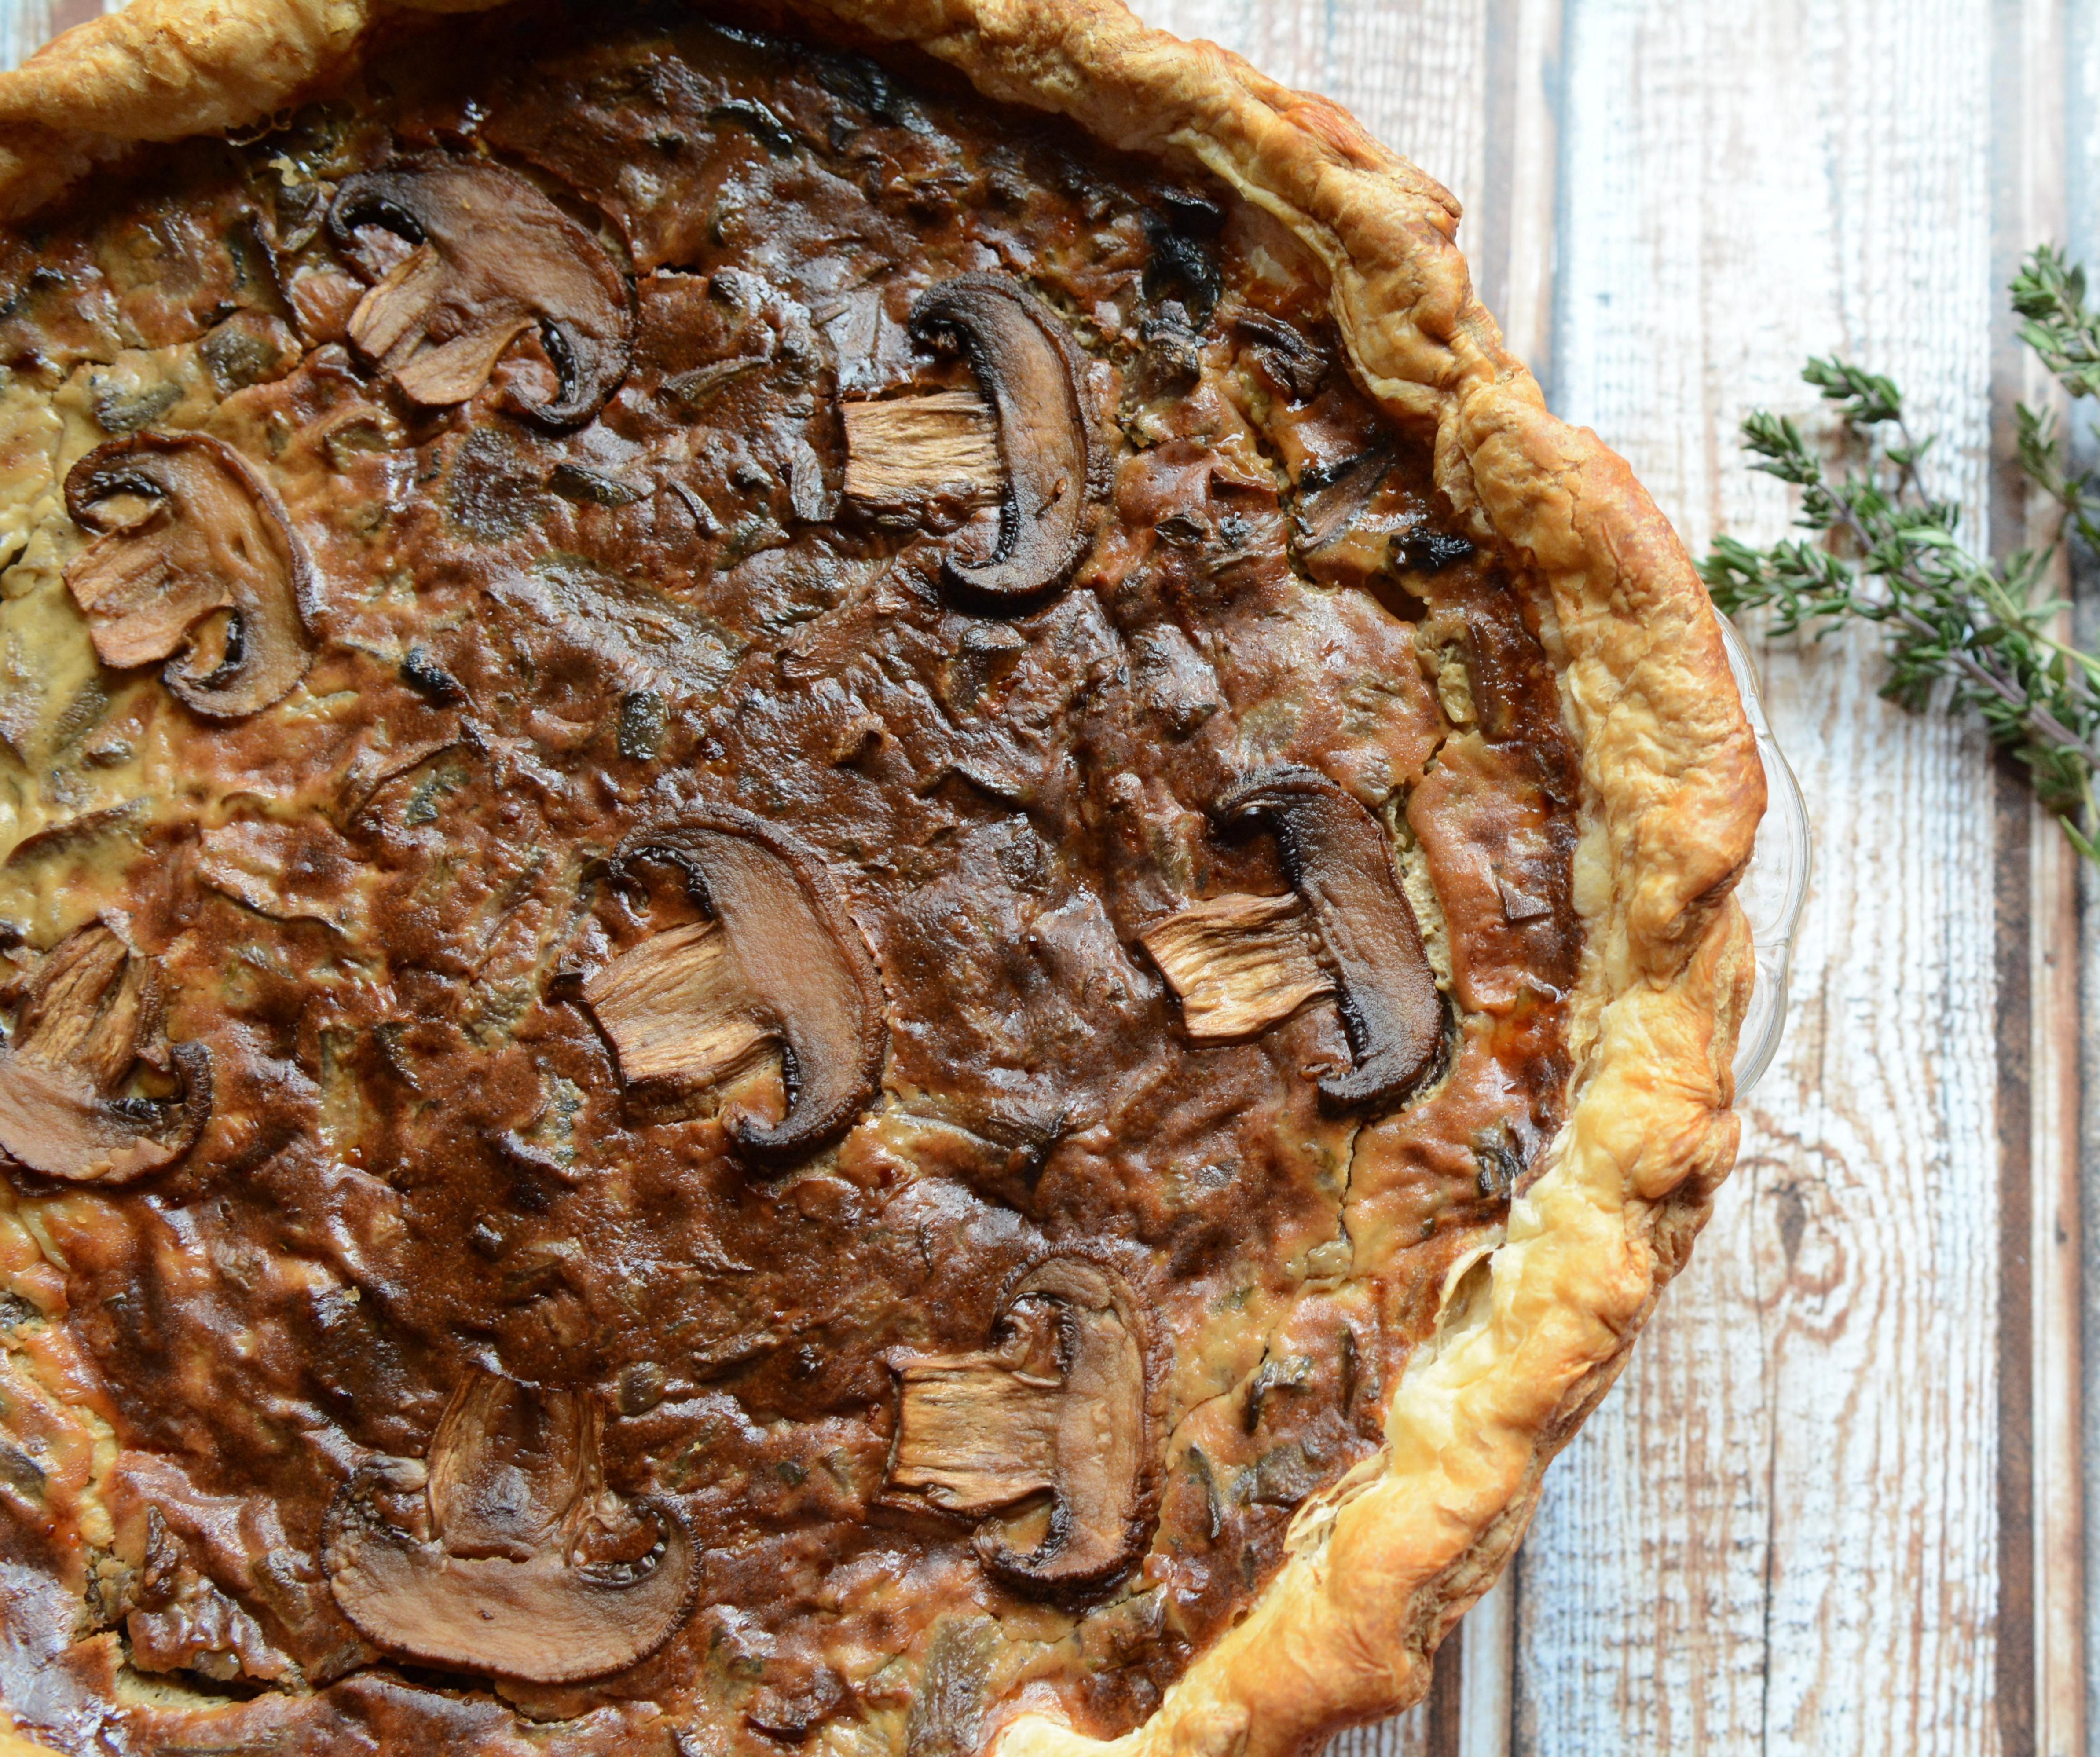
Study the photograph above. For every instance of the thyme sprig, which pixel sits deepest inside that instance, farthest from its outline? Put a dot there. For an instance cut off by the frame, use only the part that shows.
(1884, 548)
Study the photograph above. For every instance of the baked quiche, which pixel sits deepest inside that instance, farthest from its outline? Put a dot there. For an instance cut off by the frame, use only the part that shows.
(851, 899)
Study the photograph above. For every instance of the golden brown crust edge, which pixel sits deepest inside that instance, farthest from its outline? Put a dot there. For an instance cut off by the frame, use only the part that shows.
(1381, 1565)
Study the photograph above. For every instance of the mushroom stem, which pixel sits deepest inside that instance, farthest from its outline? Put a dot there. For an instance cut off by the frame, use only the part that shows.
(676, 1009)
(910, 452)
(975, 1434)
(1238, 964)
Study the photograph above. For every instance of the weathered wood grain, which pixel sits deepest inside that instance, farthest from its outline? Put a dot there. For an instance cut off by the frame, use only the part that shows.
(2082, 234)
(1782, 1533)
(1511, 238)
(26, 26)
(1413, 72)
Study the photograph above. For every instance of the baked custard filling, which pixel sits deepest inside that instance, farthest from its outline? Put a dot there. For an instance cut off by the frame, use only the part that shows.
(780, 905)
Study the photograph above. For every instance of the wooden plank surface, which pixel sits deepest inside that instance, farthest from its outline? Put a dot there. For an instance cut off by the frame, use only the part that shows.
(2082, 234)
(1789, 1530)
(1781, 1534)
(1796, 1526)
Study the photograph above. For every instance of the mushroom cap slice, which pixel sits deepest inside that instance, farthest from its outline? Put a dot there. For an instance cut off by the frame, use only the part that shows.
(92, 1006)
(211, 536)
(799, 958)
(1030, 368)
(547, 1619)
(512, 1480)
(1099, 1515)
(492, 257)
(978, 1435)
(1339, 863)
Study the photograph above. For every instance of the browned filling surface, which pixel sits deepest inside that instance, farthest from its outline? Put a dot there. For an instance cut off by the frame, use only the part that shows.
(777, 896)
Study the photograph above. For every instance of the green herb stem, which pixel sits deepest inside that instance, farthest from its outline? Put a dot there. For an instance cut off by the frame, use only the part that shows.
(1948, 615)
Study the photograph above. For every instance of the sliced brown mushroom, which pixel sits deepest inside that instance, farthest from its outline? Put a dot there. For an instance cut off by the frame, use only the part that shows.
(1238, 964)
(1339, 863)
(910, 451)
(91, 1015)
(491, 258)
(1031, 367)
(784, 961)
(204, 564)
(511, 1503)
(1059, 1410)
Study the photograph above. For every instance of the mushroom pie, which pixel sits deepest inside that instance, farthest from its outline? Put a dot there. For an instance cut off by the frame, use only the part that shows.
(850, 900)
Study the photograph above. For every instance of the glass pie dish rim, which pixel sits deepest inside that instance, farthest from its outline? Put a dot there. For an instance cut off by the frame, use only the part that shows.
(1774, 887)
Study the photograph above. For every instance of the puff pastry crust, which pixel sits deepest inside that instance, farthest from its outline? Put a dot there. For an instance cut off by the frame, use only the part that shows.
(1532, 1334)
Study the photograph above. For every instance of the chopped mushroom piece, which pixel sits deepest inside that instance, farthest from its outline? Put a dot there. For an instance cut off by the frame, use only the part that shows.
(1293, 362)
(1238, 964)
(91, 1015)
(1340, 864)
(1061, 1409)
(1348, 516)
(1330, 500)
(911, 450)
(1029, 366)
(205, 567)
(500, 1579)
(491, 258)
(785, 961)
(947, 1712)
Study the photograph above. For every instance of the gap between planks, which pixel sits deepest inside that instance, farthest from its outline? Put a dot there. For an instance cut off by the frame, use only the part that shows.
(2040, 1679)
(2082, 237)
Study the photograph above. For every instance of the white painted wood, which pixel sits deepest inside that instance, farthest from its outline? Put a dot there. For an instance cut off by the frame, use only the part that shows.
(1413, 72)
(1486, 1686)
(26, 26)
(1404, 1735)
(1778, 1535)
(1512, 242)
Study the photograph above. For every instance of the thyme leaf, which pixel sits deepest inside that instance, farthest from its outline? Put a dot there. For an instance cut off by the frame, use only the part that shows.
(1882, 549)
